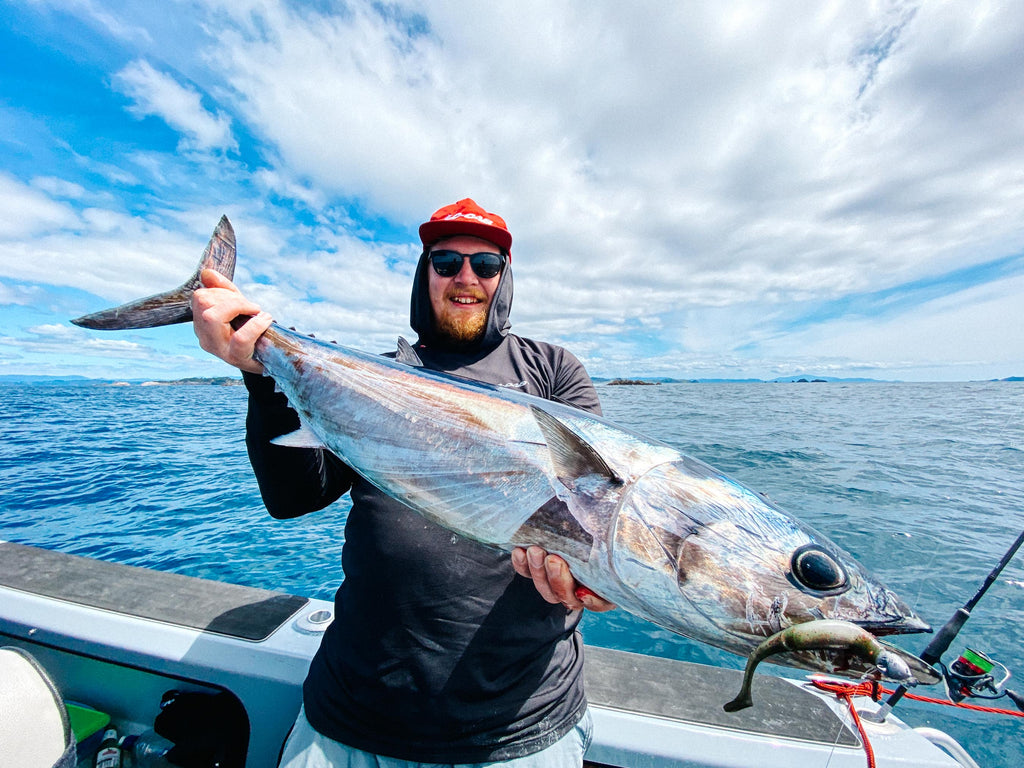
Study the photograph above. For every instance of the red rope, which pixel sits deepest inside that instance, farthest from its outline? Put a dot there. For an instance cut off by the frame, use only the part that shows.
(847, 691)
(843, 689)
(875, 691)
(975, 707)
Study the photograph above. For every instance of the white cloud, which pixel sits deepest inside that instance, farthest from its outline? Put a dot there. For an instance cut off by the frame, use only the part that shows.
(972, 329)
(159, 94)
(108, 253)
(73, 347)
(276, 182)
(20, 295)
(25, 211)
(677, 177)
(94, 13)
(57, 339)
(56, 187)
(694, 144)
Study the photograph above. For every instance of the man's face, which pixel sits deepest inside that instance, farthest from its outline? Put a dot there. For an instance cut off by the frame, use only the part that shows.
(460, 303)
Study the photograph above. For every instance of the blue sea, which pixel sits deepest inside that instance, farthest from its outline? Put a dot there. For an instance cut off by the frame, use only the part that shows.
(923, 483)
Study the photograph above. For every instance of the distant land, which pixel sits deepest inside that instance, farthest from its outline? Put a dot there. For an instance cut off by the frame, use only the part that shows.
(82, 381)
(230, 381)
(797, 379)
(219, 381)
(27, 379)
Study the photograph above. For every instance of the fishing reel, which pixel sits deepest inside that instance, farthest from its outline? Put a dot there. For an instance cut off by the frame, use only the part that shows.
(971, 676)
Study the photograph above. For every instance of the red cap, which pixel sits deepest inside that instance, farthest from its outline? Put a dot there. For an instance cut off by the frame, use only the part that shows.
(466, 218)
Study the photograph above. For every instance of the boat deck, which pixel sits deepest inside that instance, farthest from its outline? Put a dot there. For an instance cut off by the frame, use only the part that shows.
(118, 636)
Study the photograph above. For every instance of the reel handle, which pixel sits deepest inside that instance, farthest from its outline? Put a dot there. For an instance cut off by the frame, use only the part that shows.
(1016, 698)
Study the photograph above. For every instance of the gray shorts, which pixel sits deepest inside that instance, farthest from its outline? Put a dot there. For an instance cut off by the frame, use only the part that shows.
(307, 748)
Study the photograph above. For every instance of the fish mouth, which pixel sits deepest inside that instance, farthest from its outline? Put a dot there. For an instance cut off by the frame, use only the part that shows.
(904, 625)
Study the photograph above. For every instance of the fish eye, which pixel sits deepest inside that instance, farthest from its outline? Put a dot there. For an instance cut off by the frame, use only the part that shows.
(815, 569)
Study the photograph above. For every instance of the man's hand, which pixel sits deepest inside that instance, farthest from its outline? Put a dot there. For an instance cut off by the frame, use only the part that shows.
(551, 577)
(213, 309)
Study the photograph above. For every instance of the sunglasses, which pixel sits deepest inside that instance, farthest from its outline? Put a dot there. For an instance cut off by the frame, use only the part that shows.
(449, 263)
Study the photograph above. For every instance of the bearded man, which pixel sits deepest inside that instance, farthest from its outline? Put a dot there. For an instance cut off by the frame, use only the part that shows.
(442, 650)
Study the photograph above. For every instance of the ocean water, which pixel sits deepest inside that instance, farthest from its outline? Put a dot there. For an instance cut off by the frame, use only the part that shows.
(923, 483)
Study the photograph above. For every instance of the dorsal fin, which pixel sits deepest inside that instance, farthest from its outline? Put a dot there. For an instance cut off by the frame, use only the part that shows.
(406, 354)
(571, 456)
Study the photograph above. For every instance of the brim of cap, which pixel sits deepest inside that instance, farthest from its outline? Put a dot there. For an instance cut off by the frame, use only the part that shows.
(432, 231)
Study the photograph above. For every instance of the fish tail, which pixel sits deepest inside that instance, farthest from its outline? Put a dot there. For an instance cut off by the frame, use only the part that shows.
(174, 306)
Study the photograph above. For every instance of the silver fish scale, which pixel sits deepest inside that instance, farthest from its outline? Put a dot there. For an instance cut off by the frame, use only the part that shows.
(460, 456)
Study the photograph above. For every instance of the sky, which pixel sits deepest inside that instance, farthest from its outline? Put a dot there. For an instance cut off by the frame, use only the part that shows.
(695, 190)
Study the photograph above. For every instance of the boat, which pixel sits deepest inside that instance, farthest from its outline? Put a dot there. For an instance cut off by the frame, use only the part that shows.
(118, 638)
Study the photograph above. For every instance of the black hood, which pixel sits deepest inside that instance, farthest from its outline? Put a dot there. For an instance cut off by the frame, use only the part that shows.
(421, 317)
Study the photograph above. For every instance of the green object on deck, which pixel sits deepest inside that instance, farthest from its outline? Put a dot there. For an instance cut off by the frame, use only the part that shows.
(85, 721)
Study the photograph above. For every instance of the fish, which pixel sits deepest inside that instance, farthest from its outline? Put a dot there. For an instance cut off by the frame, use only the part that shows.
(659, 533)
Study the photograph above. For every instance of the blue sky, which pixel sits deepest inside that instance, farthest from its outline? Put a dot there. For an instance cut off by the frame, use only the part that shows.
(695, 190)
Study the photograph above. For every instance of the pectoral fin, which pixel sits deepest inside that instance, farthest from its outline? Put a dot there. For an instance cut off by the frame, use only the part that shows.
(571, 456)
(303, 437)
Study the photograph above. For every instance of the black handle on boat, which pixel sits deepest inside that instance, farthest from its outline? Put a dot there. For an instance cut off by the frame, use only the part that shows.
(1016, 698)
(944, 637)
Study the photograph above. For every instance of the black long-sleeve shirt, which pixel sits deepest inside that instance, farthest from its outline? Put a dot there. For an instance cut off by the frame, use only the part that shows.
(438, 652)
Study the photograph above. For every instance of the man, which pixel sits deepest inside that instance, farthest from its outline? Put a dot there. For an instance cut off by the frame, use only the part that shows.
(441, 651)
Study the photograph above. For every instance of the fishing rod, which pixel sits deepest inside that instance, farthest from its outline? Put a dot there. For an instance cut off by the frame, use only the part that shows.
(971, 672)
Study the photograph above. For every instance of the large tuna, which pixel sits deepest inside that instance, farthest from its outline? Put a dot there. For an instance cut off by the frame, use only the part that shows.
(661, 534)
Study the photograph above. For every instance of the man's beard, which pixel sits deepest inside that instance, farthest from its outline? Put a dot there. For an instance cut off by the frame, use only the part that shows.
(462, 330)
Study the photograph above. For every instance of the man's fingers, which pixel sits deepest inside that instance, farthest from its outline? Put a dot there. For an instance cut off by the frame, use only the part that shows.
(217, 305)
(519, 563)
(535, 558)
(552, 578)
(211, 278)
(563, 585)
(241, 344)
(245, 337)
(554, 581)
(214, 310)
(592, 602)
